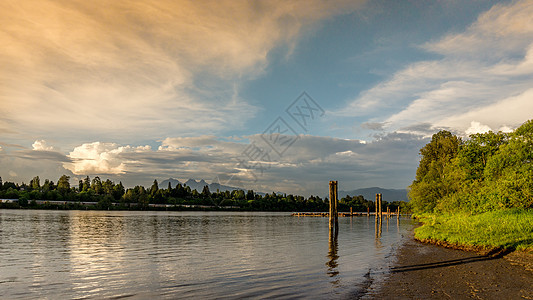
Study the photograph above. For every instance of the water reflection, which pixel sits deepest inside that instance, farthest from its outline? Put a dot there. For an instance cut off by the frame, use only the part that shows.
(332, 263)
(378, 229)
(398, 224)
(101, 255)
(95, 252)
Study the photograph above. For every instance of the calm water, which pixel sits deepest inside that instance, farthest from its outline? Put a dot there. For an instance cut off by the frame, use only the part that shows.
(92, 254)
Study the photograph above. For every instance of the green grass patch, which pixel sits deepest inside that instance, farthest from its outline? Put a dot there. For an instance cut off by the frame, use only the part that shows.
(508, 229)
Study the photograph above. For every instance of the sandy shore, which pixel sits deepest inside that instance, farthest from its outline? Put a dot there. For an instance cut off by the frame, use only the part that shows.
(424, 271)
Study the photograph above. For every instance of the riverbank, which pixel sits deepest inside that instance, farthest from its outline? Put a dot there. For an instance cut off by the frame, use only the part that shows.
(493, 231)
(426, 271)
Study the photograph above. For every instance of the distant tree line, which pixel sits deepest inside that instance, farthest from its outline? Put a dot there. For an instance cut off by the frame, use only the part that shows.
(108, 195)
(487, 172)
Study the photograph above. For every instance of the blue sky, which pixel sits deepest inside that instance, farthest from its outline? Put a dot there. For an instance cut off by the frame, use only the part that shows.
(190, 89)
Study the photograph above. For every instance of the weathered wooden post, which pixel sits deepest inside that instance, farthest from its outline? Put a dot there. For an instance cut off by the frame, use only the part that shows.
(331, 204)
(388, 212)
(336, 214)
(351, 211)
(333, 213)
(377, 206)
(398, 215)
(380, 209)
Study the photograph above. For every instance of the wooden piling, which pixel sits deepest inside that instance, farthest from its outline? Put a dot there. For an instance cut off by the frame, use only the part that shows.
(380, 208)
(351, 211)
(377, 206)
(333, 203)
(398, 215)
(336, 208)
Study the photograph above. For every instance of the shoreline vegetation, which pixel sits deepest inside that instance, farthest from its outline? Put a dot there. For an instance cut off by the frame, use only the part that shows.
(490, 233)
(476, 194)
(106, 195)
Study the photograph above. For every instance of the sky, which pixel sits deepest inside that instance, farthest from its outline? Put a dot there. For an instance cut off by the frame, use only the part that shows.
(266, 95)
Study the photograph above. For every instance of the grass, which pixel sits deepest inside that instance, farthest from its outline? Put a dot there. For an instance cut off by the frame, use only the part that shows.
(507, 229)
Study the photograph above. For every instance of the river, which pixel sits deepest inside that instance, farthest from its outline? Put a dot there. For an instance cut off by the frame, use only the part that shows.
(140, 255)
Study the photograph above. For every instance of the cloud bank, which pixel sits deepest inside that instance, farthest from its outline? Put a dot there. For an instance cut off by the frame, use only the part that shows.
(301, 169)
(483, 75)
(128, 70)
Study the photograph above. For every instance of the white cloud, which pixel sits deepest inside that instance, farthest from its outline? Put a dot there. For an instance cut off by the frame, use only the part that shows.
(100, 158)
(42, 145)
(505, 129)
(485, 74)
(476, 127)
(189, 142)
(505, 28)
(507, 113)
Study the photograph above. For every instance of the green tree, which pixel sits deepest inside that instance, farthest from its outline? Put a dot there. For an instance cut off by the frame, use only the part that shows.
(205, 192)
(130, 197)
(195, 194)
(489, 171)
(63, 184)
(105, 202)
(476, 152)
(510, 171)
(144, 200)
(118, 191)
(97, 185)
(86, 184)
(250, 195)
(238, 194)
(431, 184)
(107, 187)
(23, 199)
(35, 183)
(154, 188)
(48, 185)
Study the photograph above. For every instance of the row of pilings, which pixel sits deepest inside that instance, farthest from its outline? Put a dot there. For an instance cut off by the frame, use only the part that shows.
(334, 203)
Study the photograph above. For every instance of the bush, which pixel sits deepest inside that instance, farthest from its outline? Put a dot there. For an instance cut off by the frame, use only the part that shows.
(490, 171)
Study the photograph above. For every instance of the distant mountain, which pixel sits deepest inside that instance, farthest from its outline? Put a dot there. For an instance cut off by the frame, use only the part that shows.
(389, 195)
(197, 185)
(173, 182)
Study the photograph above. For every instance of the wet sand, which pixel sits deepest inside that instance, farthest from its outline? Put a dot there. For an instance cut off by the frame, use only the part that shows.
(424, 271)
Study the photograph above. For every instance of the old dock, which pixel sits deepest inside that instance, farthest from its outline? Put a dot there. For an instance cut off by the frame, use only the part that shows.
(340, 214)
(334, 213)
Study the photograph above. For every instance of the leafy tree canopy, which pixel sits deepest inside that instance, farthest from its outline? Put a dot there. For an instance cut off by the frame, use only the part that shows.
(488, 171)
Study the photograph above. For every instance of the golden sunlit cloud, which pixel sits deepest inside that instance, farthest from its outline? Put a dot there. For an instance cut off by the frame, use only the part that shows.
(100, 158)
(129, 68)
(42, 145)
